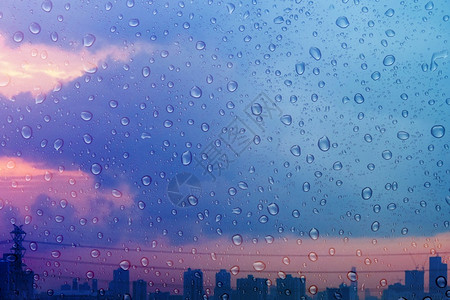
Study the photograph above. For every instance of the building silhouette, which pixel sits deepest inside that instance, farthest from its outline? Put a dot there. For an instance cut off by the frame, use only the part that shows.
(222, 289)
(353, 289)
(252, 288)
(437, 274)
(290, 287)
(120, 285)
(16, 282)
(414, 283)
(193, 284)
(139, 290)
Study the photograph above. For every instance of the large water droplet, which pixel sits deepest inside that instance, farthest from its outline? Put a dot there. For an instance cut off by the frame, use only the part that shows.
(86, 115)
(232, 86)
(256, 109)
(278, 20)
(124, 265)
(342, 22)
(146, 180)
(47, 5)
(438, 131)
(88, 40)
(259, 266)
(57, 144)
(186, 158)
(324, 143)
(196, 92)
(366, 193)
(402, 135)
(145, 71)
(295, 150)
(315, 53)
(237, 239)
(27, 132)
(375, 226)
(389, 60)
(34, 28)
(314, 233)
(133, 23)
(18, 36)
(300, 68)
(286, 119)
(386, 154)
(273, 209)
(96, 169)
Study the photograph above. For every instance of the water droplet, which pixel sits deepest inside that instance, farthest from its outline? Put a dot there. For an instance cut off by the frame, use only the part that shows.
(402, 135)
(230, 8)
(116, 193)
(232, 86)
(186, 158)
(18, 36)
(27, 132)
(86, 115)
(359, 99)
(278, 20)
(314, 233)
(133, 23)
(389, 60)
(429, 5)
(88, 40)
(313, 289)
(352, 276)
(375, 226)
(324, 143)
(342, 22)
(315, 53)
(300, 68)
(441, 282)
(146, 180)
(273, 209)
(196, 92)
(58, 144)
(200, 45)
(390, 12)
(375, 75)
(145, 71)
(312, 256)
(124, 265)
(234, 270)
(386, 154)
(295, 150)
(366, 193)
(438, 131)
(237, 239)
(256, 109)
(286, 120)
(96, 169)
(192, 200)
(47, 5)
(259, 266)
(34, 28)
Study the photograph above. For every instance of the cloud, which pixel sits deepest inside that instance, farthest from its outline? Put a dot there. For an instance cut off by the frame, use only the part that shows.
(40, 68)
(22, 182)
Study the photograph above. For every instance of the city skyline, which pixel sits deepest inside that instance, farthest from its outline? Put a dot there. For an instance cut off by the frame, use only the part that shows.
(286, 285)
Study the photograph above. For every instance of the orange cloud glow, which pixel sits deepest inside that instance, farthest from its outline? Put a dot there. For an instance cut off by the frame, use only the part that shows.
(40, 68)
(21, 182)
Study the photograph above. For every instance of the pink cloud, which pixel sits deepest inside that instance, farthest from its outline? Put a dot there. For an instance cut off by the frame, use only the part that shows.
(21, 182)
(40, 68)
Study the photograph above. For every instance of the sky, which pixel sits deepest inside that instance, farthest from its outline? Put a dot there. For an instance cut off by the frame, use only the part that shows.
(211, 124)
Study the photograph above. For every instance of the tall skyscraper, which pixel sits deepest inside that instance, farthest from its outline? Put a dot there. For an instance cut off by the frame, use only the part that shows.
(222, 289)
(252, 288)
(139, 290)
(193, 285)
(414, 281)
(438, 271)
(353, 289)
(290, 288)
(75, 284)
(121, 283)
